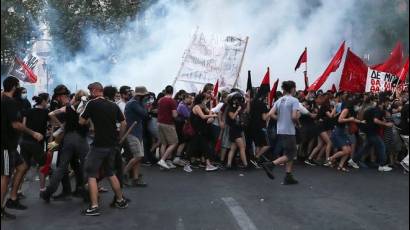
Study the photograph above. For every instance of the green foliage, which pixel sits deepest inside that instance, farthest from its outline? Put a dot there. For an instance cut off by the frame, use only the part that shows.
(18, 20)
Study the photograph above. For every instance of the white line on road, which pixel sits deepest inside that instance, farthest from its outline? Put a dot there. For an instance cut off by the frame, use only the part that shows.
(243, 220)
(180, 224)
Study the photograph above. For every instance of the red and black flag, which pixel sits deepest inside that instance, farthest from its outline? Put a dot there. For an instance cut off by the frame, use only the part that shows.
(302, 59)
(24, 70)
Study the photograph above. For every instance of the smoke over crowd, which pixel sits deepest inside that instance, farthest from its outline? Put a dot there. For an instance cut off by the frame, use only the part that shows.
(149, 50)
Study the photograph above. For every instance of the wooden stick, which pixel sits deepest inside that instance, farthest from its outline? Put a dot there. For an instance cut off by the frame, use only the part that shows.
(240, 64)
(128, 132)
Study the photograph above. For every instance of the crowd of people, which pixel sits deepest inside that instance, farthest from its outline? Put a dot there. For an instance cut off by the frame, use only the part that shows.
(111, 133)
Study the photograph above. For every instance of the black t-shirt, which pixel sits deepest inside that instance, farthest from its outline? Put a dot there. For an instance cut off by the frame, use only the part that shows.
(233, 123)
(23, 106)
(258, 107)
(369, 116)
(9, 114)
(404, 123)
(36, 120)
(71, 122)
(105, 115)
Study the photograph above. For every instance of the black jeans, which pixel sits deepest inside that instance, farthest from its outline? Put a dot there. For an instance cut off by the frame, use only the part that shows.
(74, 146)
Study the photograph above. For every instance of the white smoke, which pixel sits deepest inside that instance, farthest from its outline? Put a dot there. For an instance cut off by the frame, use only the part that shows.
(148, 51)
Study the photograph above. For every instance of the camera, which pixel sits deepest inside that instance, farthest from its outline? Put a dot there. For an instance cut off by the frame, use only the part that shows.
(236, 99)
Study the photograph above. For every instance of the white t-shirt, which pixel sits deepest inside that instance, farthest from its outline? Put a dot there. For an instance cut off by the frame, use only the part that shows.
(121, 104)
(285, 106)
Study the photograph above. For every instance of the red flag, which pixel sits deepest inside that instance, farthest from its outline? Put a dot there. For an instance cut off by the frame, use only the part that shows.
(333, 66)
(272, 93)
(354, 74)
(215, 93)
(393, 63)
(404, 71)
(302, 59)
(265, 85)
(22, 71)
(333, 90)
(216, 88)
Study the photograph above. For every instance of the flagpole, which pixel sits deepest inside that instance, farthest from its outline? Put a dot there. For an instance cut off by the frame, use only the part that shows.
(183, 58)
(305, 72)
(240, 65)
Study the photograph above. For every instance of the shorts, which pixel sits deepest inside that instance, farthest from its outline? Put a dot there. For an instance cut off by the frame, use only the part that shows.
(33, 150)
(340, 138)
(235, 133)
(287, 145)
(100, 158)
(136, 146)
(10, 159)
(260, 137)
(167, 134)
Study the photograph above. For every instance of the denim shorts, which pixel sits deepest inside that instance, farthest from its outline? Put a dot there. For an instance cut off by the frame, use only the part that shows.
(340, 138)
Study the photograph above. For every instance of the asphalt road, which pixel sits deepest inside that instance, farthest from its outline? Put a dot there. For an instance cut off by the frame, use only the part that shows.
(324, 199)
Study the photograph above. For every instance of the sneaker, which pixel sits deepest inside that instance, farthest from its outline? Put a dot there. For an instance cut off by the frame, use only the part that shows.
(187, 168)
(210, 168)
(101, 189)
(353, 164)
(255, 164)
(139, 182)
(7, 216)
(268, 167)
(163, 164)
(289, 180)
(45, 196)
(405, 166)
(310, 162)
(91, 211)
(178, 162)
(384, 168)
(170, 164)
(62, 197)
(119, 204)
(15, 204)
(201, 165)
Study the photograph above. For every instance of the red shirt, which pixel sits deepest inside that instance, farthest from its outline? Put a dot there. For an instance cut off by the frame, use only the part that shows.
(165, 107)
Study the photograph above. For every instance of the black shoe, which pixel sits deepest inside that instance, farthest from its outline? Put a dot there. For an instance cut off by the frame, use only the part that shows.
(62, 197)
(139, 182)
(91, 211)
(119, 204)
(268, 167)
(15, 204)
(20, 196)
(45, 196)
(7, 216)
(310, 162)
(289, 180)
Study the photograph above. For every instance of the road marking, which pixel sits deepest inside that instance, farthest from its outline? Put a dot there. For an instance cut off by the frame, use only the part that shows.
(243, 220)
(180, 224)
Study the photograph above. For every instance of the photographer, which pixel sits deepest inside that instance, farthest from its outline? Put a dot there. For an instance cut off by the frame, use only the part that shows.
(236, 135)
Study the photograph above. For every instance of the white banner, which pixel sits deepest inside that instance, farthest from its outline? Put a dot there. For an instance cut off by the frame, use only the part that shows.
(380, 81)
(210, 59)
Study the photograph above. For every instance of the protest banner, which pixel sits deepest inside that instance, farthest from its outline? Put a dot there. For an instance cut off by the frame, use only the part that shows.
(378, 81)
(211, 59)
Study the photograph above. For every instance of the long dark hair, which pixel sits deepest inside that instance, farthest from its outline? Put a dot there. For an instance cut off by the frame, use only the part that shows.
(40, 98)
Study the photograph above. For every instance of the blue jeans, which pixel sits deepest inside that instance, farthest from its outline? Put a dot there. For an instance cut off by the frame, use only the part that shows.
(379, 148)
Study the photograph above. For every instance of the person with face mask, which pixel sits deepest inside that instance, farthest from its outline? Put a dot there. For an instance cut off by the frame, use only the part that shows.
(11, 126)
(135, 111)
(74, 145)
(23, 103)
(35, 119)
